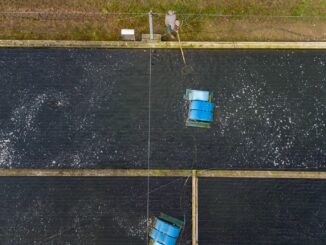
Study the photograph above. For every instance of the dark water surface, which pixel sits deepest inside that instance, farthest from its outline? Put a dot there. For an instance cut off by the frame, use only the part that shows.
(256, 211)
(89, 108)
(88, 210)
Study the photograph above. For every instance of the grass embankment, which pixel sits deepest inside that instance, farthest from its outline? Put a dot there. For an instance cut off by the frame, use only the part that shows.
(246, 20)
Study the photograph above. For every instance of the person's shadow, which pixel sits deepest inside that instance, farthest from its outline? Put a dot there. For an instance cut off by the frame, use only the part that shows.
(167, 37)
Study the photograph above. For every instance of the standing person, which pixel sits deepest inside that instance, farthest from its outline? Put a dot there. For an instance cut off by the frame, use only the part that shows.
(170, 19)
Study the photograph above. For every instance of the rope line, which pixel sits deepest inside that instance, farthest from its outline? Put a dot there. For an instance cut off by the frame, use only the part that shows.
(149, 138)
(183, 56)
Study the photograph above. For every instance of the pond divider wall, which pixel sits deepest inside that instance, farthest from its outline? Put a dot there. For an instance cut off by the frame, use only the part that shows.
(272, 174)
(159, 45)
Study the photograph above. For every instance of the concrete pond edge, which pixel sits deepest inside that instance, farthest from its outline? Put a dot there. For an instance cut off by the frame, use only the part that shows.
(270, 174)
(158, 45)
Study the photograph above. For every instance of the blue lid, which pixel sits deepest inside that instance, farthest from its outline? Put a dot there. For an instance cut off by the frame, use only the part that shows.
(169, 240)
(154, 234)
(161, 226)
(161, 237)
(199, 95)
(166, 228)
(173, 231)
(201, 115)
(157, 243)
(201, 105)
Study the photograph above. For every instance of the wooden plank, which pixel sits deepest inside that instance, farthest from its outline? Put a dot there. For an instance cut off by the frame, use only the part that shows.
(194, 208)
(262, 174)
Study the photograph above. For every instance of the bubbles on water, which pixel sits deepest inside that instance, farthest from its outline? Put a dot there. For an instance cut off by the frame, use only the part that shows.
(7, 152)
(133, 228)
(267, 123)
(76, 160)
(24, 115)
(23, 124)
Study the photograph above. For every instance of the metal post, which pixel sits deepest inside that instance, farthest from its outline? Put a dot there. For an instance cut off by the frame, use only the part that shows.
(150, 19)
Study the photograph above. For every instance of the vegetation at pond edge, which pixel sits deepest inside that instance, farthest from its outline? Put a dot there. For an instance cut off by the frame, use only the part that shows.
(202, 20)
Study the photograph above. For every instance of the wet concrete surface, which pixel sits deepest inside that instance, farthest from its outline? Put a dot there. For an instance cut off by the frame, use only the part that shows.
(88, 108)
(262, 211)
(88, 210)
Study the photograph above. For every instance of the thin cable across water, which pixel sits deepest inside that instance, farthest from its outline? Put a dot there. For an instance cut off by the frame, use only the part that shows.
(149, 134)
